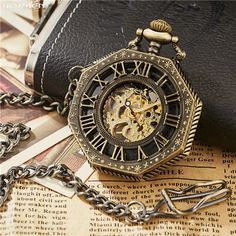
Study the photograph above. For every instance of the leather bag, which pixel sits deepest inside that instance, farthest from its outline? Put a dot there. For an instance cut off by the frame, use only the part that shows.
(79, 32)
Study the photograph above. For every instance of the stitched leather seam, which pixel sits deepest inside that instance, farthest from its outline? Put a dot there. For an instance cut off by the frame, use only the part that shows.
(54, 43)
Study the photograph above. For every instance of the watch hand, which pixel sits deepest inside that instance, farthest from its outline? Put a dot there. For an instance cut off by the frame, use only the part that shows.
(128, 105)
(146, 107)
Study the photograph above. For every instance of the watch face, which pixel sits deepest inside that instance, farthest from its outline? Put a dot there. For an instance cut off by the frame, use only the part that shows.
(132, 112)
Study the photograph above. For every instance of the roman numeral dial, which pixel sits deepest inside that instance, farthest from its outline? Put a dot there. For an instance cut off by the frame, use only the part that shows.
(172, 120)
(87, 123)
(118, 154)
(99, 143)
(162, 80)
(141, 68)
(130, 111)
(88, 101)
(118, 69)
(160, 141)
(102, 83)
(141, 154)
(173, 97)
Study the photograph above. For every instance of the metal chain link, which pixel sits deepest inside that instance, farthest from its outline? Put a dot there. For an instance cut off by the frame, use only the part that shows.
(180, 53)
(217, 192)
(44, 101)
(13, 133)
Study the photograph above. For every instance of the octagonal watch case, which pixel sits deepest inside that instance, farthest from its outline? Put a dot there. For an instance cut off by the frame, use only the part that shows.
(133, 112)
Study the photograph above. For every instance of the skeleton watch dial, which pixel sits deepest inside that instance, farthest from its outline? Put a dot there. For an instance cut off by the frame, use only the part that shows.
(133, 113)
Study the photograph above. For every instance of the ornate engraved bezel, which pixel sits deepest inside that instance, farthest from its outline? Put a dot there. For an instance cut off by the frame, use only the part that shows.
(180, 145)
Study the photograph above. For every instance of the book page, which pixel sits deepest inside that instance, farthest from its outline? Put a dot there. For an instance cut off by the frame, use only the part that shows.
(36, 210)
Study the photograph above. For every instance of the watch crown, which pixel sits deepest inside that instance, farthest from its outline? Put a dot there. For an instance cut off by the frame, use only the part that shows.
(160, 26)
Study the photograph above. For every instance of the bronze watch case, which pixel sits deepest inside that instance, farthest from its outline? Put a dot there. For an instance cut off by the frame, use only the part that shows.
(120, 148)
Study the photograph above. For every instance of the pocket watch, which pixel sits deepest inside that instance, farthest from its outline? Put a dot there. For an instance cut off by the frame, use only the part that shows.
(133, 114)
(133, 111)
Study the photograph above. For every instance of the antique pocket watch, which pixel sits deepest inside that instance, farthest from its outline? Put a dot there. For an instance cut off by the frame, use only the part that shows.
(133, 112)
